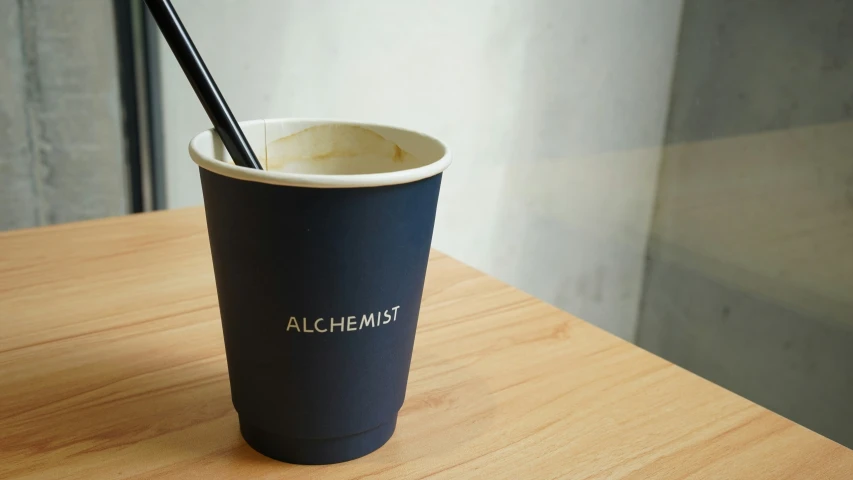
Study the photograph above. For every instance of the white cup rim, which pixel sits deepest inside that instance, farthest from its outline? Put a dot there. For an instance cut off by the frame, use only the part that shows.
(313, 180)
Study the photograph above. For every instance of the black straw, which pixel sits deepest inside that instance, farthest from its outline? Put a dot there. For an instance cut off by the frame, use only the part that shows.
(205, 88)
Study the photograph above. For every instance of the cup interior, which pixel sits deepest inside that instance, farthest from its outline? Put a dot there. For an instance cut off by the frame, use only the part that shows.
(319, 152)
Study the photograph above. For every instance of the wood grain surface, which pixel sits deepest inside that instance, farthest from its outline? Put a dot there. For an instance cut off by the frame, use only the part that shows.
(112, 366)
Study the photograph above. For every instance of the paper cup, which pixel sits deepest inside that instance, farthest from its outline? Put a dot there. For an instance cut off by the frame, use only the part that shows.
(320, 262)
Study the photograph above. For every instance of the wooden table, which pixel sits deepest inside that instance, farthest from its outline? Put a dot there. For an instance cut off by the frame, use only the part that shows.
(112, 366)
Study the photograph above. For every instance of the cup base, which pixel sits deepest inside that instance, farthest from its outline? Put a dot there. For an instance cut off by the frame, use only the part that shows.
(313, 451)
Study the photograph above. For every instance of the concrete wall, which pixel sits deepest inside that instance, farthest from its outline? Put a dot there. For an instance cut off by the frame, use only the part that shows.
(749, 281)
(61, 147)
(555, 111)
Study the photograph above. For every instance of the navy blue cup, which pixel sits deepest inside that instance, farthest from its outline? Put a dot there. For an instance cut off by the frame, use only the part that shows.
(320, 265)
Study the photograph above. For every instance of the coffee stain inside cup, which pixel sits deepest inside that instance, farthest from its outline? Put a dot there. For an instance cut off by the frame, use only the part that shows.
(337, 149)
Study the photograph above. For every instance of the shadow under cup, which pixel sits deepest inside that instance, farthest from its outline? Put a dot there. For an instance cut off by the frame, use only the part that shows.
(320, 267)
